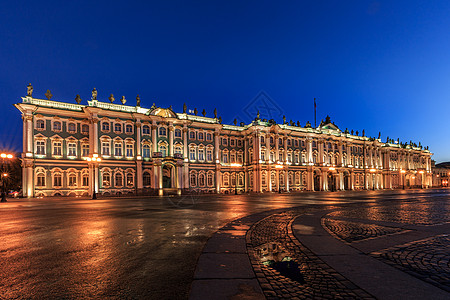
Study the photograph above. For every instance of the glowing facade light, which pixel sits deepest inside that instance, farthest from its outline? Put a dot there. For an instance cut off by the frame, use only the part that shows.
(278, 166)
(403, 171)
(372, 170)
(5, 174)
(331, 168)
(9, 156)
(139, 157)
(3, 155)
(421, 172)
(95, 155)
(235, 165)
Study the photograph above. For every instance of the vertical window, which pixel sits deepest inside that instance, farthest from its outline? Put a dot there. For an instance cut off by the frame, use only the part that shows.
(280, 156)
(72, 127)
(232, 142)
(272, 156)
(130, 179)
(106, 179)
(146, 151)
(72, 179)
(192, 153)
(192, 135)
(40, 124)
(85, 150)
(232, 158)
(225, 142)
(226, 180)
(263, 154)
(201, 179)
(145, 129)
(57, 126)
(118, 179)
(162, 131)
(225, 158)
(271, 139)
(209, 154)
(289, 157)
(163, 149)
(105, 148)
(57, 148)
(147, 179)
(128, 128)
(210, 179)
(57, 180)
(105, 126)
(178, 150)
(201, 154)
(296, 158)
(71, 149)
(241, 180)
(193, 179)
(85, 129)
(177, 133)
(209, 137)
(117, 149)
(118, 128)
(40, 180)
(129, 148)
(239, 158)
(263, 178)
(40, 147)
(263, 140)
(85, 180)
(200, 136)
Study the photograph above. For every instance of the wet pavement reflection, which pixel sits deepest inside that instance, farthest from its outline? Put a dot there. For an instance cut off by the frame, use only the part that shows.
(141, 247)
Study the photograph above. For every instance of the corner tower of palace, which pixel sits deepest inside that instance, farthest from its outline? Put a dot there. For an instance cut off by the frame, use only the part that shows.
(75, 149)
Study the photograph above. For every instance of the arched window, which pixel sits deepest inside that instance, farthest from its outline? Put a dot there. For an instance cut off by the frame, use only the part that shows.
(118, 179)
(145, 129)
(177, 132)
(162, 131)
(85, 129)
(163, 149)
(129, 128)
(192, 135)
(118, 127)
(57, 180)
(147, 179)
(118, 149)
(281, 179)
(192, 153)
(72, 179)
(129, 149)
(85, 180)
(40, 182)
(105, 126)
(263, 178)
(106, 181)
(57, 126)
(201, 179)
(130, 179)
(210, 179)
(241, 179)
(272, 179)
(201, 154)
(40, 124)
(226, 179)
(193, 179)
(200, 135)
(72, 127)
(146, 151)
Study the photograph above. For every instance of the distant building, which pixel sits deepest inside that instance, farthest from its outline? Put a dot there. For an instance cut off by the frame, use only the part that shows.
(441, 174)
(74, 149)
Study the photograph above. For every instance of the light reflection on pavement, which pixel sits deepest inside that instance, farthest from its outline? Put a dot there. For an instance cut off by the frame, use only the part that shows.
(134, 247)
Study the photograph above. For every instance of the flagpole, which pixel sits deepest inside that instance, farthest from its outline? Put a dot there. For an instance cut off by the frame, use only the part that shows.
(315, 124)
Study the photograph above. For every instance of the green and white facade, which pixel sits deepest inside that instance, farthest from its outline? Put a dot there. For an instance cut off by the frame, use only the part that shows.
(160, 151)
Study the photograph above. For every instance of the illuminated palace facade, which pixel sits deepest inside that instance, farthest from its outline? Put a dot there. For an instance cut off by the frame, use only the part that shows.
(74, 149)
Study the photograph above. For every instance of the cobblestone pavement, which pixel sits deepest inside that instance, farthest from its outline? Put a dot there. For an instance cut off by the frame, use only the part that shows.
(318, 280)
(427, 259)
(353, 231)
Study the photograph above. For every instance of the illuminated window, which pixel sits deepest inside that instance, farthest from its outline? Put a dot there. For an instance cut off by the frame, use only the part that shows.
(129, 148)
(40, 180)
(40, 124)
(118, 128)
(40, 147)
(72, 127)
(72, 179)
(71, 149)
(146, 151)
(129, 128)
(209, 154)
(105, 148)
(280, 156)
(56, 126)
(193, 179)
(296, 158)
(263, 178)
(163, 149)
(118, 149)
(272, 156)
(201, 179)
(201, 154)
(85, 180)
(106, 179)
(162, 131)
(210, 179)
(272, 179)
(263, 155)
(130, 179)
(57, 180)
(239, 157)
(241, 179)
(145, 129)
(118, 179)
(178, 133)
(232, 157)
(85, 150)
(226, 180)
(57, 148)
(105, 126)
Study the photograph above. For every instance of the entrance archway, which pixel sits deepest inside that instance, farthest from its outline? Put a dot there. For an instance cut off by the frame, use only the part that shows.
(317, 186)
(331, 184)
(346, 181)
(168, 173)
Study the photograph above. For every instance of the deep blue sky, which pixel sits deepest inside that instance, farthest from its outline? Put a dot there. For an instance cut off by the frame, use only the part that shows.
(373, 65)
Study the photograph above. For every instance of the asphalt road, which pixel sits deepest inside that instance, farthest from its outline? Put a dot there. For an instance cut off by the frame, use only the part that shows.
(131, 247)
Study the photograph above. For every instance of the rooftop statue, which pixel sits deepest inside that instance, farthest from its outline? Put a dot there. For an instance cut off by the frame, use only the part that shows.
(327, 119)
(138, 100)
(298, 123)
(308, 124)
(215, 113)
(29, 90)
(184, 108)
(123, 100)
(78, 99)
(284, 119)
(204, 112)
(111, 98)
(94, 94)
(195, 111)
(48, 94)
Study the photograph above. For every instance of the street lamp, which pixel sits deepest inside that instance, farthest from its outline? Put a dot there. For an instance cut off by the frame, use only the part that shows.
(235, 166)
(373, 177)
(5, 175)
(95, 160)
(403, 172)
(279, 166)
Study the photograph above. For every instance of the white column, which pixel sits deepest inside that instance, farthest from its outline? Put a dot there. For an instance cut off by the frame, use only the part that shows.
(216, 147)
(309, 151)
(171, 132)
(287, 180)
(29, 133)
(94, 143)
(154, 141)
(138, 138)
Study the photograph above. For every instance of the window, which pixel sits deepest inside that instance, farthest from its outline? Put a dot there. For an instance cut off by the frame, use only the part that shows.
(201, 154)
(303, 158)
(314, 144)
(57, 126)
(72, 127)
(272, 179)
(147, 179)
(225, 142)
(72, 179)
(71, 149)
(296, 158)
(40, 180)
(118, 179)
(262, 140)
(192, 135)
(177, 132)
(85, 180)
(118, 128)
(105, 148)
(280, 142)
(129, 128)
(162, 131)
(232, 157)
(289, 142)
(209, 154)
(57, 148)
(145, 129)
(272, 156)
(193, 179)
(146, 151)
(57, 180)
(226, 180)
(201, 179)
(105, 126)
(295, 143)
(163, 149)
(129, 148)
(118, 149)
(289, 157)
(239, 158)
(209, 137)
(232, 142)
(40, 147)
(239, 143)
(271, 139)
(200, 135)
(178, 150)
(210, 179)
(263, 178)
(241, 180)
(106, 179)
(130, 179)
(85, 129)
(225, 158)
(192, 153)
(280, 156)
(85, 150)
(263, 154)
(40, 124)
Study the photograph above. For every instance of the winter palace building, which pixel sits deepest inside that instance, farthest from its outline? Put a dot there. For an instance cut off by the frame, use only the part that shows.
(74, 149)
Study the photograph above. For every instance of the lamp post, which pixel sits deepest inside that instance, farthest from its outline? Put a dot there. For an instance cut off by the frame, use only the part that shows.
(235, 166)
(373, 178)
(279, 167)
(403, 177)
(5, 175)
(95, 161)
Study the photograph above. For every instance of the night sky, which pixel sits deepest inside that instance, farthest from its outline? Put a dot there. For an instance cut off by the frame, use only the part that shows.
(373, 65)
